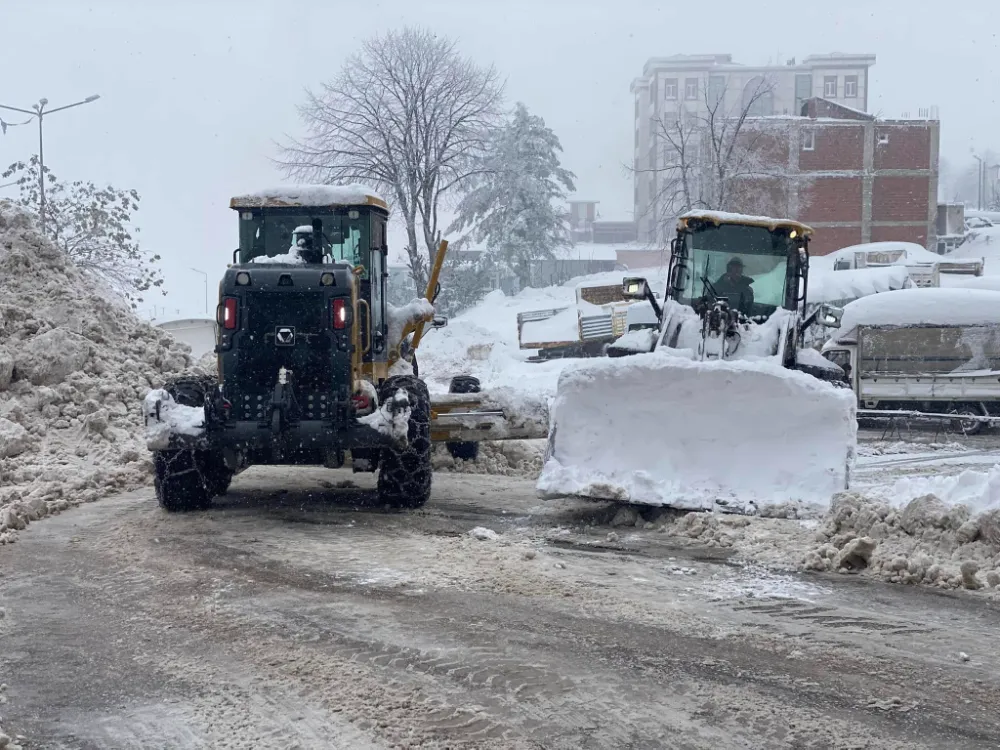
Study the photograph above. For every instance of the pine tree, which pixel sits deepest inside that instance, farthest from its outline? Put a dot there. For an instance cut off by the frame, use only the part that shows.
(514, 204)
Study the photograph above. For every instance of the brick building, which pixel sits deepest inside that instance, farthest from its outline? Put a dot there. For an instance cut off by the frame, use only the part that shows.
(852, 177)
(686, 83)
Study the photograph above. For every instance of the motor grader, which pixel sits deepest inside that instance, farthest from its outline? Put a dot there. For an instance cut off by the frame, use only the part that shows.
(314, 365)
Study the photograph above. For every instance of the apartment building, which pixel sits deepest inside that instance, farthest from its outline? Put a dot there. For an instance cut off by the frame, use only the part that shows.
(693, 83)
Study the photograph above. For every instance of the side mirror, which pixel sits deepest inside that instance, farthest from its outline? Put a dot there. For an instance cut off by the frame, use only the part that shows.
(635, 288)
(829, 316)
(678, 279)
(440, 321)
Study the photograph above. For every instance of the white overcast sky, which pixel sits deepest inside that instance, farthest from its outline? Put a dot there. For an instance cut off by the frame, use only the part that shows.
(194, 92)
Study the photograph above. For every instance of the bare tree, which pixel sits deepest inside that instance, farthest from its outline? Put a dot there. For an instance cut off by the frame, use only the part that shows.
(407, 114)
(708, 156)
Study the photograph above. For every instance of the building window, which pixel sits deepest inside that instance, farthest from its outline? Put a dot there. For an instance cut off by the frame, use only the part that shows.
(830, 86)
(669, 88)
(716, 90)
(850, 87)
(808, 140)
(883, 139)
(803, 91)
(690, 88)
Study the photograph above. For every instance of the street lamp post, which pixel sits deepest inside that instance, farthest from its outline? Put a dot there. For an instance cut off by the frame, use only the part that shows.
(39, 111)
(206, 287)
(980, 180)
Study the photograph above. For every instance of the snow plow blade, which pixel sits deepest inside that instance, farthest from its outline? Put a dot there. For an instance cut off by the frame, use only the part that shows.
(492, 415)
(659, 429)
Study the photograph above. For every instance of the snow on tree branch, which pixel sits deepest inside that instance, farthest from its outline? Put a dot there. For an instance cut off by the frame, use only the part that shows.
(514, 203)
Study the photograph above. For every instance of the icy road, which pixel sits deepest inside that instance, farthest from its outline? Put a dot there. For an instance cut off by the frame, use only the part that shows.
(291, 616)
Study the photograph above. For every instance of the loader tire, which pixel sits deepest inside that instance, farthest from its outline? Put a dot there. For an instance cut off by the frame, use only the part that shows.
(179, 483)
(463, 451)
(404, 475)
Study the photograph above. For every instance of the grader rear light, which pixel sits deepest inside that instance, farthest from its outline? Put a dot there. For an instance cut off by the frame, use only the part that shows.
(340, 314)
(229, 313)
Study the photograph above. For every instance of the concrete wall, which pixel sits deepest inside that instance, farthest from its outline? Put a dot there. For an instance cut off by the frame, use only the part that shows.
(198, 333)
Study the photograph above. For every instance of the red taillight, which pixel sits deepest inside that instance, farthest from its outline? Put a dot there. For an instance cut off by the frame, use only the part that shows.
(339, 314)
(229, 313)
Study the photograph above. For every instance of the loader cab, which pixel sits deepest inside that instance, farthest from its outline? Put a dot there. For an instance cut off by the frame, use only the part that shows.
(755, 264)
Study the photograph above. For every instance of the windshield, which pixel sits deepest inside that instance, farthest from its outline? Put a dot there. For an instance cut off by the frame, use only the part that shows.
(345, 234)
(744, 265)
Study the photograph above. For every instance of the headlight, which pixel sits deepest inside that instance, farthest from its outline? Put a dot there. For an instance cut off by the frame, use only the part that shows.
(326, 279)
(242, 279)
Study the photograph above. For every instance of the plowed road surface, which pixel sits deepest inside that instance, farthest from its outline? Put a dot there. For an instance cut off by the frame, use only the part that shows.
(292, 616)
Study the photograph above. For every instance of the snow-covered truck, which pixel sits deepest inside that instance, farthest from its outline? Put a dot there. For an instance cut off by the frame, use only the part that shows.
(313, 363)
(930, 351)
(720, 405)
(601, 314)
(925, 267)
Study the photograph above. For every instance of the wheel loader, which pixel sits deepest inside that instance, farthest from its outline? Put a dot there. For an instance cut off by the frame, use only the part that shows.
(719, 405)
(314, 366)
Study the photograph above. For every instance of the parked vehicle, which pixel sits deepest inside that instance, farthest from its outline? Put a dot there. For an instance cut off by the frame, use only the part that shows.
(931, 351)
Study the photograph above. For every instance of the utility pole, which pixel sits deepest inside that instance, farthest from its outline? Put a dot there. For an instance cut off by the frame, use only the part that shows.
(979, 182)
(206, 287)
(39, 111)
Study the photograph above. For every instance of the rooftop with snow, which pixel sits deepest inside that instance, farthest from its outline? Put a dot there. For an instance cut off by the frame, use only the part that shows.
(310, 195)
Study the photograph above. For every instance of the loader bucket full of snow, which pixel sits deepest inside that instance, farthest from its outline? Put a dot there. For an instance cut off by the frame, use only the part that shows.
(660, 429)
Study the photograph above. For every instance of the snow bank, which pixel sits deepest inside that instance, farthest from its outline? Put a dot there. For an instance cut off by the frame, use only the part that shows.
(482, 341)
(74, 365)
(978, 491)
(308, 195)
(658, 429)
(513, 458)
(930, 306)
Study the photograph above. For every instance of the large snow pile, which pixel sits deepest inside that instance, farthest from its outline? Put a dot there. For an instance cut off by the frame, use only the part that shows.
(660, 429)
(516, 458)
(926, 540)
(75, 365)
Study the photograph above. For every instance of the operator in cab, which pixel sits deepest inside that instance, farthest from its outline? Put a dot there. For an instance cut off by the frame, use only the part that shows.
(736, 288)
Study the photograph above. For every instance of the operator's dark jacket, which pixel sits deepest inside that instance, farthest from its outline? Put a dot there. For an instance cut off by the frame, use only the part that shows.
(739, 293)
